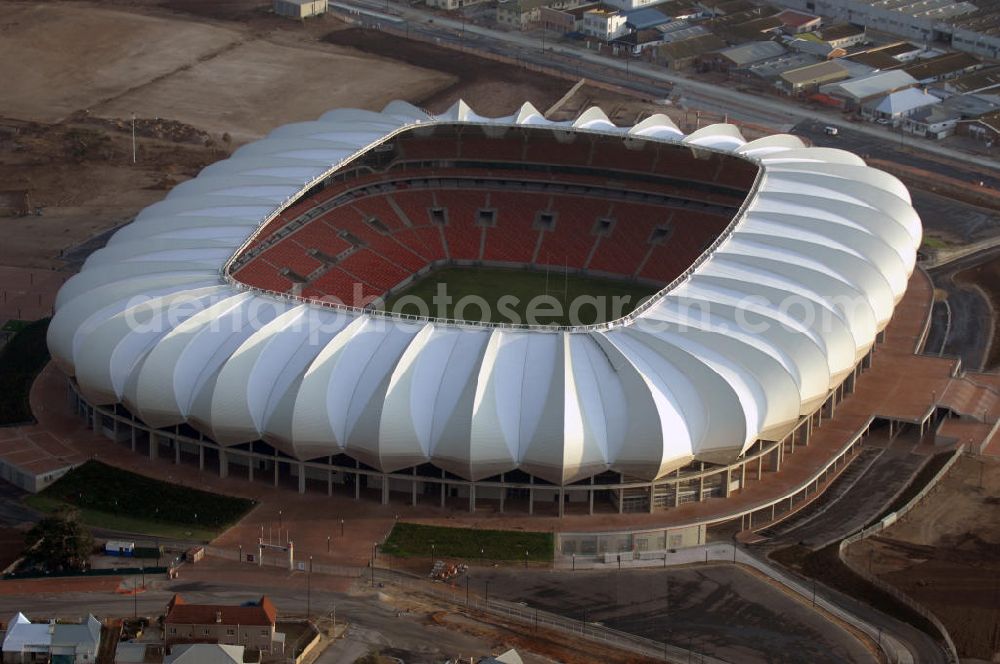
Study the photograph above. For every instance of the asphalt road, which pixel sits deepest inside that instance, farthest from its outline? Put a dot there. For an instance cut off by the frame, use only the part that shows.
(961, 324)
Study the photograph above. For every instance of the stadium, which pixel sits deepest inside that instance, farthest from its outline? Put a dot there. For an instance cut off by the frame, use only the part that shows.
(276, 313)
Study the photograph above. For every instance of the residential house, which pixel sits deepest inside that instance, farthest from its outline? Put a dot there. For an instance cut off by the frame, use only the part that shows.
(898, 105)
(208, 653)
(932, 122)
(71, 643)
(249, 625)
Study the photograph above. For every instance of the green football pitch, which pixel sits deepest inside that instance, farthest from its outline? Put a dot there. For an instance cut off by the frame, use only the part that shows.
(518, 296)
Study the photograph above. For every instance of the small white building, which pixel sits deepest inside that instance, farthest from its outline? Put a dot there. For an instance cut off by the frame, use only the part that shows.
(300, 8)
(605, 25)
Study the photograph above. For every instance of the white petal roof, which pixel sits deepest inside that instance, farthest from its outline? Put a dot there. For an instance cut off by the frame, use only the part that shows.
(754, 335)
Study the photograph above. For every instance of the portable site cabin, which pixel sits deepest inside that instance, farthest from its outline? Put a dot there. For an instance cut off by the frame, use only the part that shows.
(119, 548)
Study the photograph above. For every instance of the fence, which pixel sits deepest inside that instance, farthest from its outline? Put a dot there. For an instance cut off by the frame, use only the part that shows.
(888, 588)
(114, 571)
(281, 560)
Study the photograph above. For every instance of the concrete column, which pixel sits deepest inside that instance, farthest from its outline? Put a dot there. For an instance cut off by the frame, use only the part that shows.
(96, 419)
(223, 464)
(114, 428)
(743, 475)
(329, 481)
(385, 489)
(277, 468)
(621, 494)
(651, 490)
(413, 488)
(302, 477)
(590, 510)
(154, 444)
(201, 455)
(472, 497)
(444, 489)
(133, 436)
(772, 511)
(357, 481)
(531, 495)
(726, 480)
(562, 501)
(177, 452)
(503, 493)
(760, 466)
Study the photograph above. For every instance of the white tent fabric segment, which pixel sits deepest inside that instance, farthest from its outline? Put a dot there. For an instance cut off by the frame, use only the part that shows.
(753, 337)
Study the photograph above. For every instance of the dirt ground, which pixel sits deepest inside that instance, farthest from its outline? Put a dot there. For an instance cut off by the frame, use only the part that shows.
(80, 174)
(946, 555)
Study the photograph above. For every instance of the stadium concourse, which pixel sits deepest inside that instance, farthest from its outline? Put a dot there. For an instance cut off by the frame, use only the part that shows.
(204, 330)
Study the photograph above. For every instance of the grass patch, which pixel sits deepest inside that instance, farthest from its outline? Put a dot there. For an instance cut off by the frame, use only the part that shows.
(935, 243)
(411, 540)
(14, 325)
(509, 294)
(21, 359)
(119, 500)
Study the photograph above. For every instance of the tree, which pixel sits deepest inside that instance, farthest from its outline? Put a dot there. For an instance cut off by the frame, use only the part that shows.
(59, 543)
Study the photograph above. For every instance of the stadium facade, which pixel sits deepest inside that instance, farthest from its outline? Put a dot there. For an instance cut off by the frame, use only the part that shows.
(205, 326)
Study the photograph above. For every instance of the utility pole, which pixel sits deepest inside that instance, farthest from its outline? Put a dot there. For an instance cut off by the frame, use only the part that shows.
(309, 588)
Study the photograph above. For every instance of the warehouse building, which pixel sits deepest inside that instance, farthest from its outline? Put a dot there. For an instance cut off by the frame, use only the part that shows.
(300, 9)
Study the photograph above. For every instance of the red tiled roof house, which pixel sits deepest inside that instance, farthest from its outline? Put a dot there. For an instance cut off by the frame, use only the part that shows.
(250, 625)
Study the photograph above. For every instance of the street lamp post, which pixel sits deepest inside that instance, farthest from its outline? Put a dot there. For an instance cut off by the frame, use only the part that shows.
(309, 588)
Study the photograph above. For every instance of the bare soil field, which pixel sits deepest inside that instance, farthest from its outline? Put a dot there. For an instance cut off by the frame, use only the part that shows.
(198, 83)
(81, 56)
(81, 176)
(258, 85)
(946, 555)
(491, 88)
